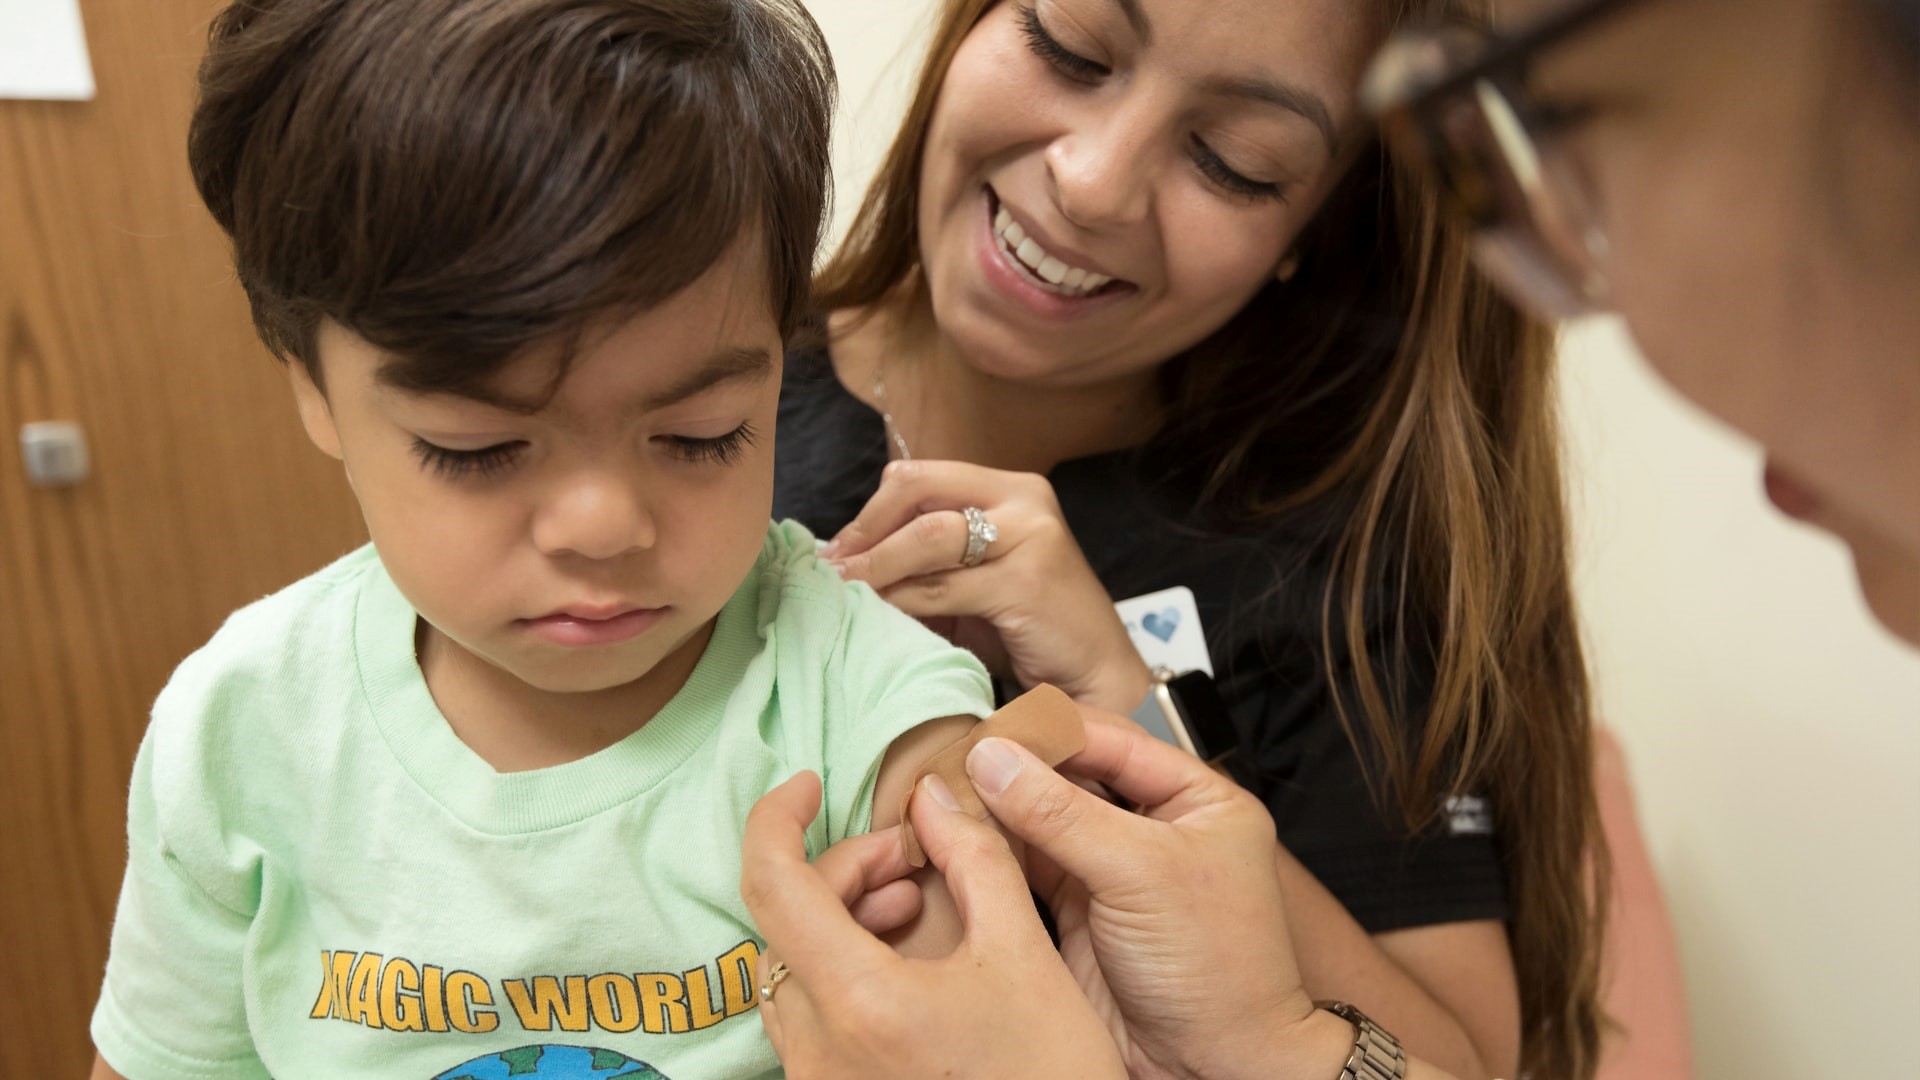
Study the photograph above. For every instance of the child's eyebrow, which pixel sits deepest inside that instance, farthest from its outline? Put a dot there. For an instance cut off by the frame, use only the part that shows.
(736, 362)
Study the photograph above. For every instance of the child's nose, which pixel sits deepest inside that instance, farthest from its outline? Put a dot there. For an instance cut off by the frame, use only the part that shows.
(596, 516)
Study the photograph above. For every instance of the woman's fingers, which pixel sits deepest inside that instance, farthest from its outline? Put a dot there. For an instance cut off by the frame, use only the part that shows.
(989, 890)
(935, 540)
(861, 864)
(980, 591)
(1164, 781)
(801, 908)
(888, 908)
(1087, 837)
(909, 489)
(789, 1013)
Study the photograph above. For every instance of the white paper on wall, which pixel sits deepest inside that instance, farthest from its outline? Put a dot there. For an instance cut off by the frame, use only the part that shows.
(43, 51)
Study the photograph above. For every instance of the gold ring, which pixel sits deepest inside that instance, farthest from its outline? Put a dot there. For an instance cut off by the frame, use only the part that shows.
(774, 978)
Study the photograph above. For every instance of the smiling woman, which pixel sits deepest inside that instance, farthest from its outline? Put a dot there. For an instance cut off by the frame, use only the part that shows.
(1114, 289)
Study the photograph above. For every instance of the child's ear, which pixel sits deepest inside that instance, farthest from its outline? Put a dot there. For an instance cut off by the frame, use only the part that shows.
(315, 414)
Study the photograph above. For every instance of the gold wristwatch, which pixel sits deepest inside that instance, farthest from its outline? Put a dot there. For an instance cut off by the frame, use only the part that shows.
(1376, 1054)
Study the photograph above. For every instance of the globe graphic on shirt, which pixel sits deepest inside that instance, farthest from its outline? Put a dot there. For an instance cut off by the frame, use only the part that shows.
(554, 1063)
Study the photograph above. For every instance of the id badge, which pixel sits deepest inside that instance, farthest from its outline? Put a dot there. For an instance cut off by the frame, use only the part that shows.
(1165, 628)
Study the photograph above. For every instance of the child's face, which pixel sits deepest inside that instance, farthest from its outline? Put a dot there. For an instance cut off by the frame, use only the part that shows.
(578, 546)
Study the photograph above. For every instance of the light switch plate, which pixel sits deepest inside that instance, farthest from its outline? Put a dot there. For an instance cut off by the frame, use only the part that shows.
(55, 452)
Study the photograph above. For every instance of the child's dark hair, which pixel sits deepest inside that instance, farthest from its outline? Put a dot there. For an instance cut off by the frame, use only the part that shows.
(457, 180)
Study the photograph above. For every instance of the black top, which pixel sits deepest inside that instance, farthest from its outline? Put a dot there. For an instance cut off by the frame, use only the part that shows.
(1258, 599)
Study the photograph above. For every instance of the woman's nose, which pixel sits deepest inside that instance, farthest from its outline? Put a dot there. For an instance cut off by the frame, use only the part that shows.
(1100, 173)
(596, 515)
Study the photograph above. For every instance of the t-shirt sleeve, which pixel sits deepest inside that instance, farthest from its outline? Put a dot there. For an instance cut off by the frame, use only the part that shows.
(1296, 756)
(889, 675)
(172, 1004)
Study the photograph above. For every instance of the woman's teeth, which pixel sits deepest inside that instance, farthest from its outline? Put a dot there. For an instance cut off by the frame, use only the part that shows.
(1064, 279)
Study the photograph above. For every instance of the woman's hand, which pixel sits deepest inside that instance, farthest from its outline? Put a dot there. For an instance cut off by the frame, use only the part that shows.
(1174, 939)
(1032, 599)
(1171, 923)
(1001, 1005)
(1171, 918)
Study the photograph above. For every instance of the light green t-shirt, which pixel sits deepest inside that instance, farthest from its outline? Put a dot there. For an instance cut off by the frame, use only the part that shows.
(324, 881)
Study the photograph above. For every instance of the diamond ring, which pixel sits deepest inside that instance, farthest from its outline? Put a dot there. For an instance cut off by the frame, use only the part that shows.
(980, 534)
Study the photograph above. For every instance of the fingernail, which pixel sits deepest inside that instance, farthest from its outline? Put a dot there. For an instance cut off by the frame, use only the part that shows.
(993, 765)
(832, 549)
(939, 792)
(838, 567)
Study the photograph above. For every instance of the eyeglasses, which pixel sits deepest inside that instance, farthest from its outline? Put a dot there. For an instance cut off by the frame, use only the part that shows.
(1452, 99)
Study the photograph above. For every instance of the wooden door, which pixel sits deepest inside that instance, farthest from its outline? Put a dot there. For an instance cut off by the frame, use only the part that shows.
(119, 310)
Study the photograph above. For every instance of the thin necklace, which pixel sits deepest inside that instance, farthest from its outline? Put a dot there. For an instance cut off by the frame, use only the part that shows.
(886, 417)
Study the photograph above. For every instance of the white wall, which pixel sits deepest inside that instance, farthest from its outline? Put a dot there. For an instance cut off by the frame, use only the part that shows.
(1773, 731)
(877, 47)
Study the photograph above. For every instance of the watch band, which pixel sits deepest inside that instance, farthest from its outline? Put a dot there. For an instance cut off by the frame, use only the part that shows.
(1160, 714)
(1376, 1054)
(1186, 709)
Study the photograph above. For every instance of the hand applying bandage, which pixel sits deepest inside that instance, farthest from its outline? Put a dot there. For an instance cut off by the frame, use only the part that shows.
(1044, 720)
(845, 1005)
(1164, 913)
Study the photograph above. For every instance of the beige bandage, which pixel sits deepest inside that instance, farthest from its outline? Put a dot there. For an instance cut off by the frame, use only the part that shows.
(1044, 720)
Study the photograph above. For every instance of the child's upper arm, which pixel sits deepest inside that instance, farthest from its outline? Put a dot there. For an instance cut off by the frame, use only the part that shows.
(895, 695)
(937, 929)
(173, 997)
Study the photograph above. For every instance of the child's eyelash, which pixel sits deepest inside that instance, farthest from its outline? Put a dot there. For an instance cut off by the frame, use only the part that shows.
(1047, 48)
(490, 461)
(1219, 172)
(725, 450)
(486, 462)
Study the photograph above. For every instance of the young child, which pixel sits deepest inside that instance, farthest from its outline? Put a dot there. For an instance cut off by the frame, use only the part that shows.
(468, 802)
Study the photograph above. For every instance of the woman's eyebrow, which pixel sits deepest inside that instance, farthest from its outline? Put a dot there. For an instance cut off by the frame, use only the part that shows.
(1137, 18)
(1291, 98)
(1295, 100)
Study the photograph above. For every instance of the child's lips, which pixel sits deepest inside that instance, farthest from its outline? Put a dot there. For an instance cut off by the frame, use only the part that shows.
(595, 625)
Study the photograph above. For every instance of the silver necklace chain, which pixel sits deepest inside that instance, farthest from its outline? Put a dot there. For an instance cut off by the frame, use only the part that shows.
(886, 415)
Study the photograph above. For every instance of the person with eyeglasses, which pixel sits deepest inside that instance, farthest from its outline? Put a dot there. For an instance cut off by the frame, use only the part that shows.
(1741, 182)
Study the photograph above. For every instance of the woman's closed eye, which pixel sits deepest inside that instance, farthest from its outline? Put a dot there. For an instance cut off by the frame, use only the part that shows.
(1220, 173)
(1080, 69)
(722, 450)
(484, 463)
(1048, 48)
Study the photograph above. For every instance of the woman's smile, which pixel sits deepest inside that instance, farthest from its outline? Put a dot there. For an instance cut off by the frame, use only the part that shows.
(1021, 268)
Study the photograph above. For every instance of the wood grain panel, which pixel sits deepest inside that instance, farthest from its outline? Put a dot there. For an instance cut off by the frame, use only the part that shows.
(118, 309)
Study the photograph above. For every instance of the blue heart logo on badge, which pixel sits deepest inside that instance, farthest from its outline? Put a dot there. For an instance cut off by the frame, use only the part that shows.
(1166, 629)
(1162, 624)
